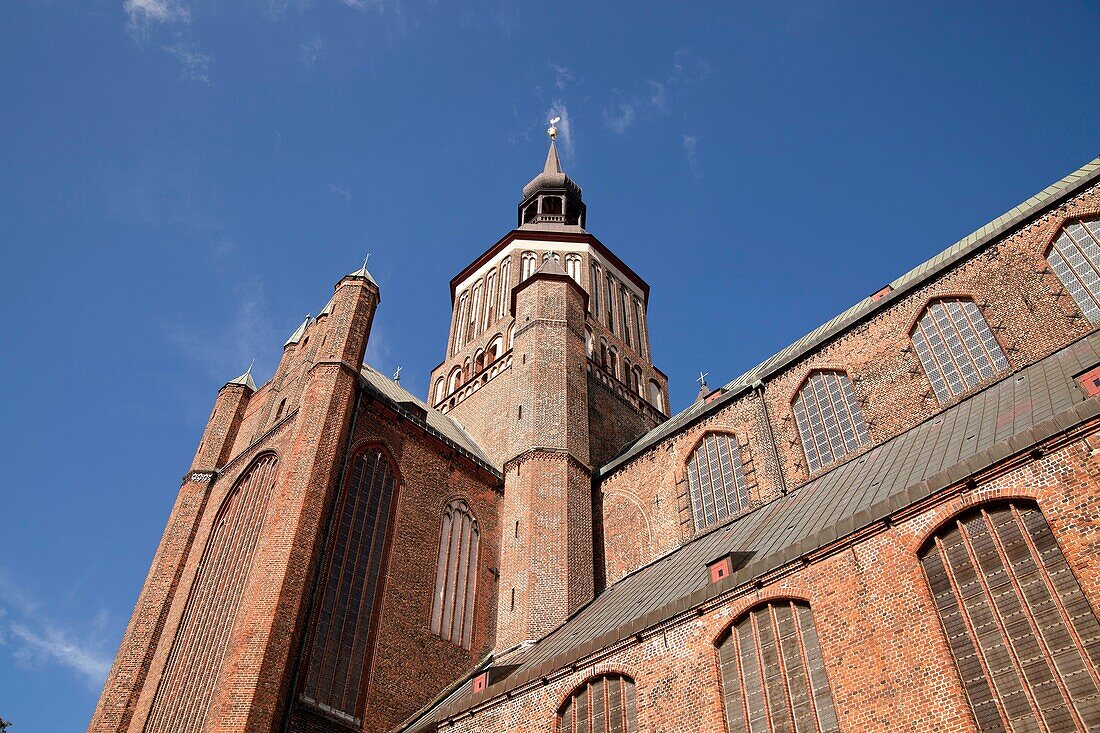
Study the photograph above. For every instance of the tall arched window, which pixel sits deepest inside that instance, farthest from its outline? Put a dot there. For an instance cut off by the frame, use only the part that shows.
(613, 361)
(528, 261)
(190, 674)
(1075, 259)
(643, 346)
(573, 267)
(773, 676)
(456, 575)
(455, 380)
(716, 480)
(475, 312)
(956, 346)
(505, 288)
(636, 384)
(490, 300)
(656, 396)
(1023, 636)
(352, 578)
(604, 704)
(440, 386)
(828, 417)
(609, 309)
(594, 300)
(624, 304)
(460, 323)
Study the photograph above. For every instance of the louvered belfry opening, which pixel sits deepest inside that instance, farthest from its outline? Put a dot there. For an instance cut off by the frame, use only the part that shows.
(183, 697)
(773, 677)
(456, 575)
(716, 480)
(829, 420)
(353, 572)
(604, 704)
(956, 347)
(1022, 634)
(1075, 258)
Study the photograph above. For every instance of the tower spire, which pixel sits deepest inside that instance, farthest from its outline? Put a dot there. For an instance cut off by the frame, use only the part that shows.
(552, 197)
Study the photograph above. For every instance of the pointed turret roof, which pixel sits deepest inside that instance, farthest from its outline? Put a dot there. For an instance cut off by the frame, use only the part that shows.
(245, 379)
(363, 273)
(550, 266)
(552, 175)
(299, 332)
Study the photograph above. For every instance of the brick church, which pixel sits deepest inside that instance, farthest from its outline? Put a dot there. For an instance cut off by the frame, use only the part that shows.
(893, 524)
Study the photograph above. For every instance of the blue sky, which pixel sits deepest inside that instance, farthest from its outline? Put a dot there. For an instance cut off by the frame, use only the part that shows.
(181, 181)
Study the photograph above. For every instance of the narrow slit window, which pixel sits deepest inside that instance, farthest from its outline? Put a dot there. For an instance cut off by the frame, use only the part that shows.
(829, 420)
(956, 347)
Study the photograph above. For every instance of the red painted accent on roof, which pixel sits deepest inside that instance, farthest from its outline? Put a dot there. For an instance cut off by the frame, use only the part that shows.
(1090, 382)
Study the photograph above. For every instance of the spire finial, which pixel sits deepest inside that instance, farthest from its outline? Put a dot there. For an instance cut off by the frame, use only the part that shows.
(397, 375)
(702, 380)
(250, 365)
(365, 260)
(552, 131)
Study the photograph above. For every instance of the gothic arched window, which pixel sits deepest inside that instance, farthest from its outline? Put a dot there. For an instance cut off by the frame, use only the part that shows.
(573, 267)
(1075, 259)
(613, 361)
(187, 685)
(1023, 636)
(624, 304)
(460, 323)
(604, 704)
(505, 288)
(440, 386)
(716, 480)
(475, 312)
(609, 309)
(828, 417)
(455, 380)
(656, 397)
(352, 576)
(456, 575)
(490, 300)
(773, 676)
(594, 301)
(528, 262)
(956, 346)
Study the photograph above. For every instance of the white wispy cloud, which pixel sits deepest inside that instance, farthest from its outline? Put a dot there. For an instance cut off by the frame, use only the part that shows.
(562, 76)
(689, 66)
(145, 13)
(566, 141)
(619, 116)
(340, 191)
(33, 639)
(658, 96)
(196, 64)
(311, 51)
(248, 335)
(691, 151)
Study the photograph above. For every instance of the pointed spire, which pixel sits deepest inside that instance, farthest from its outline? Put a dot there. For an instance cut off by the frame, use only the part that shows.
(704, 390)
(553, 165)
(245, 379)
(299, 332)
(363, 272)
(550, 266)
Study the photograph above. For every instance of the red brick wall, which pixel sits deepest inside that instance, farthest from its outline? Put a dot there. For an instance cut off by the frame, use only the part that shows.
(1022, 300)
(887, 660)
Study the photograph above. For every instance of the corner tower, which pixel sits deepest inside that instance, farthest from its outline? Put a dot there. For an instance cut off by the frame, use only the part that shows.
(548, 367)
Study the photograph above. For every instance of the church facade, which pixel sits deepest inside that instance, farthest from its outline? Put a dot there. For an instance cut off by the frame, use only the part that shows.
(892, 524)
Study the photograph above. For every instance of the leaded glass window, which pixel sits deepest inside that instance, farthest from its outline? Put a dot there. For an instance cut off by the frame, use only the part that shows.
(456, 575)
(1075, 259)
(187, 686)
(1023, 636)
(829, 419)
(352, 579)
(603, 704)
(716, 480)
(956, 347)
(773, 675)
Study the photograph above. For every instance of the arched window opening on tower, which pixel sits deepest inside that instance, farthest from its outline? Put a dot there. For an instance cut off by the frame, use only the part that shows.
(475, 312)
(530, 212)
(573, 267)
(773, 675)
(643, 346)
(353, 574)
(656, 396)
(829, 420)
(1023, 636)
(624, 303)
(187, 685)
(613, 361)
(440, 387)
(456, 379)
(460, 323)
(572, 213)
(636, 323)
(589, 343)
(636, 383)
(1075, 258)
(479, 361)
(505, 288)
(603, 353)
(956, 347)
(490, 300)
(496, 348)
(594, 299)
(551, 205)
(456, 575)
(511, 335)
(716, 480)
(609, 309)
(528, 263)
(604, 704)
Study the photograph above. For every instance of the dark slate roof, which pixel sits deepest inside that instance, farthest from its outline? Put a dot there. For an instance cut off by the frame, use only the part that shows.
(446, 428)
(1002, 420)
(962, 249)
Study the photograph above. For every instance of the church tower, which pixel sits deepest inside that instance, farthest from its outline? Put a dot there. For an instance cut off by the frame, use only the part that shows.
(548, 368)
